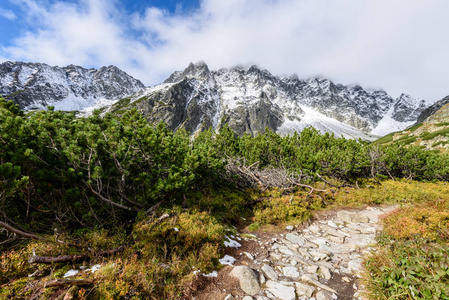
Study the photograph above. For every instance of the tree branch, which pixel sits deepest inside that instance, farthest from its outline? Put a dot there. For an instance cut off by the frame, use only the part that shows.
(35, 259)
(22, 233)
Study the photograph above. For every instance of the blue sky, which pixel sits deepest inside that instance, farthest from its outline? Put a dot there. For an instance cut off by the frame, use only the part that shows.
(400, 46)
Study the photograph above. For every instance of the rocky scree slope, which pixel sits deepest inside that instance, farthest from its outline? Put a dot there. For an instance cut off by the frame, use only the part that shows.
(37, 85)
(251, 99)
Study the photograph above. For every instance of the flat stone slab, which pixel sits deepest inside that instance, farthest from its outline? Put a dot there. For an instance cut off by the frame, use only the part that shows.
(280, 291)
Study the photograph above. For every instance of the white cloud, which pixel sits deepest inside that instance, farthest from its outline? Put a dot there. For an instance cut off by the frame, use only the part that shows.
(400, 46)
(8, 14)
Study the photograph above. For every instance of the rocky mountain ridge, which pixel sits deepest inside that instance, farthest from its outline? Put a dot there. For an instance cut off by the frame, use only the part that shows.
(251, 99)
(37, 85)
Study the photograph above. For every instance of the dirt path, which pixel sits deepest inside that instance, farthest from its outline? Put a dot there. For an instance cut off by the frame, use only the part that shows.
(321, 261)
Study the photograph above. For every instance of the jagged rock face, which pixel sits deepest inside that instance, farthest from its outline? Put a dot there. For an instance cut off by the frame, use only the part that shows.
(37, 85)
(407, 109)
(250, 100)
(432, 109)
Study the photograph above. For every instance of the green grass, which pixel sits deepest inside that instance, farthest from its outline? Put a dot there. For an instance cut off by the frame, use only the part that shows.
(441, 143)
(430, 135)
(414, 127)
(386, 139)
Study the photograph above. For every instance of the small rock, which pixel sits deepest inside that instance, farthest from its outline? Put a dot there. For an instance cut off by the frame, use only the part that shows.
(275, 256)
(332, 224)
(355, 265)
(262, 298)
(247, 298)
(275, 246)
(312, 269)
(269, 272)
(249, 255)
(346, 279)
(353, 217)
(295, 239)
(285, 250)
(262, 279)
(308, 279)
(290, 272)
(293, 262)
(314, 229)
(318, 255)
(304, 289)
(247, 278)
(336, 239)
(229, 297)
(323, 295)
(289, 228)
(304, 253)
(281, 291)
(326, 273)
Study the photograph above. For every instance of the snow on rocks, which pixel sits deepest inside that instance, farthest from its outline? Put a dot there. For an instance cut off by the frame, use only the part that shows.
(318, 262)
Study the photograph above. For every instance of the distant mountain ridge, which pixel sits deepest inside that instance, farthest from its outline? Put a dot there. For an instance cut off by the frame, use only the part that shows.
(37, 85)
(196, 98)
(251, 99)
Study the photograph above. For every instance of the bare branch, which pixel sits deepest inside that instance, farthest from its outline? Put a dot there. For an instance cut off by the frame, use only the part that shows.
(35, 259)
(22, 233)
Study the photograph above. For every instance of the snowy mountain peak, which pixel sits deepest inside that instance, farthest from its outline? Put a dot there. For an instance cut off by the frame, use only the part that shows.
(251, 99)
(37, 85)
(198, 70)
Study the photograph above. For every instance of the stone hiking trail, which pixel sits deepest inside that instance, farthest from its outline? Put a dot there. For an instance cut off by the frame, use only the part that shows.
(321, 261)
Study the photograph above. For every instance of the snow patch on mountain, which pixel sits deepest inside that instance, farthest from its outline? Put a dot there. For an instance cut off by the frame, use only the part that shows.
(323, 124)
(388, 124)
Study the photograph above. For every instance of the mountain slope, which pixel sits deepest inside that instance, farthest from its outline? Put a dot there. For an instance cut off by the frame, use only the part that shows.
(432, 133)
(249, 100)
(37, 85)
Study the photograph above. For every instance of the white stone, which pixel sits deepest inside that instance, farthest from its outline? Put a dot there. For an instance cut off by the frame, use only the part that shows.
(308, 279)
(304, 289)
(275, 246)
(281, 291)
(318, 255)
(229, 297)
(353, 217)
(312, 269)
(290, 272)
(289, 227)
(323, 295)
(285, 250)
(247, 278)
(325, 272)
(249, 255)
(314, 229)
(355, 265)
(269, 272)
(295, 239)
(247, 298)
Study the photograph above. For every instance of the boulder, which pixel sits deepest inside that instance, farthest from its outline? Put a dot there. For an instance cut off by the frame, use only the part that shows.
(247, 279)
